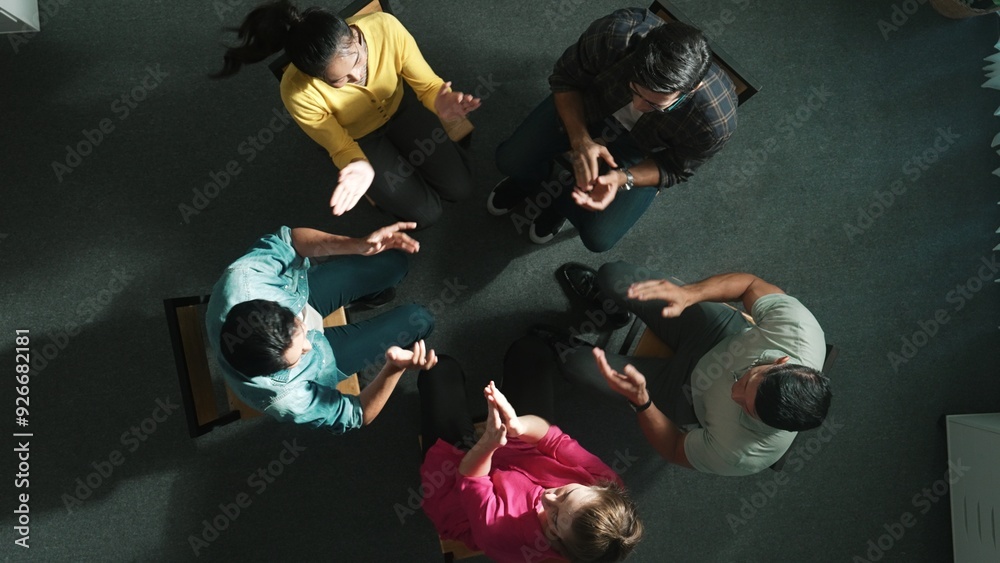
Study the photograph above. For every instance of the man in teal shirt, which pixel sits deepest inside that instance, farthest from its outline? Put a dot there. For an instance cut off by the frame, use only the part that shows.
(265, 323)
(741, 390)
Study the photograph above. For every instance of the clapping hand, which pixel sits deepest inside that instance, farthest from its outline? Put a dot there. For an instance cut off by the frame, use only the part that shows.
(451, 105)
(676, 296)
(495, 433)
(497, 400)
(631, 384)
(586, 157)
(352, 183)
(416, 357)
(391, 236)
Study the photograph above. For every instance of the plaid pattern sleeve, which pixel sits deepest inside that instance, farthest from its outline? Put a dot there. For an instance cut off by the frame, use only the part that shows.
(681, 141)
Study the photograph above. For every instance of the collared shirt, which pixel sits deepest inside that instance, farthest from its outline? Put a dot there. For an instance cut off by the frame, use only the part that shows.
(305, 393)
(599, 66)
(731, 442)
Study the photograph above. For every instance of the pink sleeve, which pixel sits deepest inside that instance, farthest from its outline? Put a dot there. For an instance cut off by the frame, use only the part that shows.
(560, 446)
(480, 504)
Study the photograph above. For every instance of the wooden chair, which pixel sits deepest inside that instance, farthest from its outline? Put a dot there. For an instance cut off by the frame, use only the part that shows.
(745, 86)
(200, 387)
(458, 130)
(650, 346)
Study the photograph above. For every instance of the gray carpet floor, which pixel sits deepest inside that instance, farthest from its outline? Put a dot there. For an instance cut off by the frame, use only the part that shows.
(90, 247)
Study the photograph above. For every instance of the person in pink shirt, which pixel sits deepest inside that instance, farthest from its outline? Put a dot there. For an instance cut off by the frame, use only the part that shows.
(524, 491)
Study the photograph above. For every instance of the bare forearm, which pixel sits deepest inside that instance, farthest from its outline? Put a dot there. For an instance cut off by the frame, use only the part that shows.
(663, 435)
(479, 460)
(570, 108)
(731, 287)
(646, 173)
(376, 394)
(311, 242)
(533, 428)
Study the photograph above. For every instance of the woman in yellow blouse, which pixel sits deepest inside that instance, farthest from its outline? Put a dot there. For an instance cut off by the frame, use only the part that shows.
(344, 87)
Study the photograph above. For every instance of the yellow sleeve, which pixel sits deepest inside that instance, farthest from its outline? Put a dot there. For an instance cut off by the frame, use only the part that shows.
(313, 116)
(412, 66)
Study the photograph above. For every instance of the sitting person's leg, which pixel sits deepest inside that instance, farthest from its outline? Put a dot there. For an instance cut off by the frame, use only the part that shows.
(443, 410)
(396, 188)
(529, 367)
(427, 151)
(697, 329)
(527, 155)
(345, 279)
(360, 345)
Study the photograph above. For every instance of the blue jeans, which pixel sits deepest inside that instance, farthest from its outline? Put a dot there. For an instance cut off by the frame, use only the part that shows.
(344, 279)
(528, 157)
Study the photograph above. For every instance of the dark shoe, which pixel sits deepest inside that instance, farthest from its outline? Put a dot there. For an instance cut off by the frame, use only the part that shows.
(579, 282)
(546, 226)
(504, 197)
(373, 301)
(559, 340)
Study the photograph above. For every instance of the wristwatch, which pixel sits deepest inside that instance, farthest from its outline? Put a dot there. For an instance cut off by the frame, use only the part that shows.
(639, 408)
(629, 179)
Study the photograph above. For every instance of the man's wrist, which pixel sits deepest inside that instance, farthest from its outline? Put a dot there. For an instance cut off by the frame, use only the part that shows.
(640, 407)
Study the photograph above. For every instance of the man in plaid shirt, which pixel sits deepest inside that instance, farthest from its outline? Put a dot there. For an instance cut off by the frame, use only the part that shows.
(637, 105)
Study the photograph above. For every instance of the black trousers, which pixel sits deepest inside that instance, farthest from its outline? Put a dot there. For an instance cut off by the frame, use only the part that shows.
(416, 164)
(529, 369)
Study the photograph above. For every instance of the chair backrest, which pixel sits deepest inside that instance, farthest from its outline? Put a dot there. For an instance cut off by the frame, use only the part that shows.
(746, 87)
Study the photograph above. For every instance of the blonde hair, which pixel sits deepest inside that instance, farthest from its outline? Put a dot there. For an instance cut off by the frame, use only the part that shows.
(607, 529)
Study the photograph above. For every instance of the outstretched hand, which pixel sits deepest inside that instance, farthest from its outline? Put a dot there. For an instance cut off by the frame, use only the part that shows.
(388, 237)
(495, 398)
(416, 357)
(631, 384)
(352, 183)
(676, 296)
(452, 105)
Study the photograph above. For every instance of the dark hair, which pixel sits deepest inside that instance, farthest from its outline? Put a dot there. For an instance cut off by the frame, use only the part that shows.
(607, 529)
(311, 38)
(671, 58)
(793, 397)
(256, 335)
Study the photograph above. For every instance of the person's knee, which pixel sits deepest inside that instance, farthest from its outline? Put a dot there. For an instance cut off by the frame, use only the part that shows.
(424, 214)
(613, 278)
(416, 322)
(396, 264)
(597, 244)
(529, 346)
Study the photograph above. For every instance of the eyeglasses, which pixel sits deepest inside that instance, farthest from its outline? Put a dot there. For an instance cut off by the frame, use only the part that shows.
(655, 107)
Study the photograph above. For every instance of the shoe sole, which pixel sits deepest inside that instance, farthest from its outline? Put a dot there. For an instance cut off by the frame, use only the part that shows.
(544, 239)
(494, 210)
